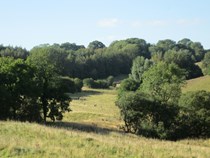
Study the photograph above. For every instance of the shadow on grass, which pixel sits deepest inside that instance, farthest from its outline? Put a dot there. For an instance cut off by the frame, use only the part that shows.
(90, 128)
(84, 93)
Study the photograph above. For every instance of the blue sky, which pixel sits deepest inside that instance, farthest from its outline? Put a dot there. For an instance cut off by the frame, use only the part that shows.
(28, 23)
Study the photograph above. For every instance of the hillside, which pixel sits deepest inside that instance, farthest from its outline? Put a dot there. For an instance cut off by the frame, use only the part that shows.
(33, 140)
(90, 130)
(201, 83)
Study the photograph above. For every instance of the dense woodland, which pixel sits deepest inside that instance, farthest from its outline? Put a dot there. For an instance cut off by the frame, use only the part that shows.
(35, 84)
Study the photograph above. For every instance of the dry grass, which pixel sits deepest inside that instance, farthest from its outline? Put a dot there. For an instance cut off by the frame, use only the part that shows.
(33, 140)
(201, 83)
(95, 107)
(91, 131)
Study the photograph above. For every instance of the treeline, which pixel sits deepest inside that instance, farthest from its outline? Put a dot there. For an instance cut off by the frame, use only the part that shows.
(98, 61)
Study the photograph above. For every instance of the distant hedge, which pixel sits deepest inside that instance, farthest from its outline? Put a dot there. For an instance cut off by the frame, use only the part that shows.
(106, 83)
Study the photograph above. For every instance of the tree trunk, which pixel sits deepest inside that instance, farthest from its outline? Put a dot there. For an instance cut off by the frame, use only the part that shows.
(44, 101)
(44, 107)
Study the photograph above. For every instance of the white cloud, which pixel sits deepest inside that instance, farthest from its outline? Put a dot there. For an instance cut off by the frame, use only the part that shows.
(185, 22)
(158, 22)
(108, 22)
(163, 23)
(137, 24)
(147, 23)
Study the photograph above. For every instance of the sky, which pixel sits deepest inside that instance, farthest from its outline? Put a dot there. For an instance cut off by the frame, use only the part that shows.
(28, 23)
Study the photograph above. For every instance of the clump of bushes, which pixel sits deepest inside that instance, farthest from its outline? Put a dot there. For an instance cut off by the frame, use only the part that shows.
(147, 116)
(158, 109)
(106, 83)
(73, 84)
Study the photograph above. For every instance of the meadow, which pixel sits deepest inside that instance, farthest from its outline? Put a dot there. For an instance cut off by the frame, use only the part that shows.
(200, 83)
(92, 130)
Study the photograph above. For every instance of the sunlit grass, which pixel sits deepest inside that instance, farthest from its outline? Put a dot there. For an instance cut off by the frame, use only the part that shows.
(91, 130)
(33, 140)
(201, 83)
(95, 106)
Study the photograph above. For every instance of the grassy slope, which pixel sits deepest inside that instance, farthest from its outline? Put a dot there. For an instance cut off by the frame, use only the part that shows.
(90, 130)
(32, 140)
(95, 107)
(201, 83)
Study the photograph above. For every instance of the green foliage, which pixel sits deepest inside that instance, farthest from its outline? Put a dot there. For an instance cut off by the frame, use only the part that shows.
(198, 50)
(78, 84)
(157, 110)
(18, 91)
(71, 46)
(110, 80)
(164, 81)
(134, 46)
(48, 62)
(145, 116)
(194, 118)
(96, 45)
(140, 65)
(206, 64)
(195, 49)
(15, 52)
(100, 84)
(185, 61)
(90, 83)
(128, 85)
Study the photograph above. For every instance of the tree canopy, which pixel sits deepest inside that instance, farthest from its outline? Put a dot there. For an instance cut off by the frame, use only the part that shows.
(52, 87)
(164, 81)
(140, 65)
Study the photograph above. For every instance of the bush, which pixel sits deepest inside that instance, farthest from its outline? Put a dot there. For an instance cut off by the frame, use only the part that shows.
(145, 116)
(100, 84)
(78, 84)
(128, 85)
(110, 80)
(88, 82)
(194, 117)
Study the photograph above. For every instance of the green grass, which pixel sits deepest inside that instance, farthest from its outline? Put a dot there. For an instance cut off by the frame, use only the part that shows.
(33, 140)
(91, 130)
(96, 107)
(201, 83)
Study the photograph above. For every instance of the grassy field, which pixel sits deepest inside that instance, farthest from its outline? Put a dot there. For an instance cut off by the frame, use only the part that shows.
(91, 130)
(33, 140)
(96, 107)
(201, 83)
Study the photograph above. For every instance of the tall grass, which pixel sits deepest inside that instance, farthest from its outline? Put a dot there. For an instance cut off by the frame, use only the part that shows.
(33, 140)
(91, 130)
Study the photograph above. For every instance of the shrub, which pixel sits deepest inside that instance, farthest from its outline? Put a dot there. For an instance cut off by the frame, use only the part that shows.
(100, 84)
(110, 80)
(78, 84)
(128, 85)
(88, 82)
(194, 117)
(145, 116)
